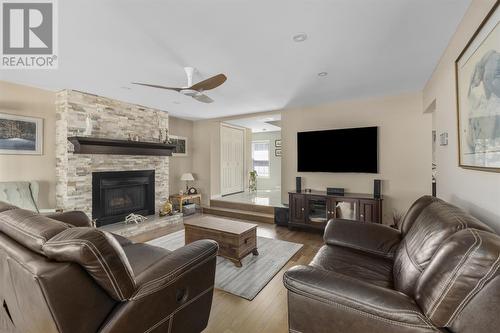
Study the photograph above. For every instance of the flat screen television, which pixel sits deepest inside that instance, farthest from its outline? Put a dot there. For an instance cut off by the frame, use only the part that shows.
(338, 150)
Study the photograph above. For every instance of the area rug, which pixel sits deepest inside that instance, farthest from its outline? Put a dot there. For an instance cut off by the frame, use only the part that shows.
(257, 271)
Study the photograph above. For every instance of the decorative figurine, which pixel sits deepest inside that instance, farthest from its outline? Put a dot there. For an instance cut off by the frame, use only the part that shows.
(166, 209)
(135, 218)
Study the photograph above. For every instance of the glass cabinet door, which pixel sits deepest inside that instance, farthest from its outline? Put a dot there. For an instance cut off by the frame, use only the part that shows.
(346, 209)
(317, 213)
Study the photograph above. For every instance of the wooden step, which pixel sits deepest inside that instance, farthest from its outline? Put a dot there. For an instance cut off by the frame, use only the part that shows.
(242, 206)
(239, 214)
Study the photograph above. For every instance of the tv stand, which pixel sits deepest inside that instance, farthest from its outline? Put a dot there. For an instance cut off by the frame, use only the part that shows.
(314, 209)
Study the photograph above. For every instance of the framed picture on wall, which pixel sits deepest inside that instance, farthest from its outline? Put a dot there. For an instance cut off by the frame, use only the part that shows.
(478, 97)
(20, 135)
(181, 145)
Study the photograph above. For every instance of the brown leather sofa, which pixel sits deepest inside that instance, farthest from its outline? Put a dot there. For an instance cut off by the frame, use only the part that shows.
(438, 273)
(57, 274)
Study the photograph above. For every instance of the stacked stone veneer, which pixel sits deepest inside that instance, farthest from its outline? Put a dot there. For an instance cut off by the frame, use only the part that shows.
(110, 119)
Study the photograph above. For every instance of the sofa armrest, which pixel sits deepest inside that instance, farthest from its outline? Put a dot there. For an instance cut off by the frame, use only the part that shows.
(339, 298)
(75, 218)
(373, 238)
(174, 266)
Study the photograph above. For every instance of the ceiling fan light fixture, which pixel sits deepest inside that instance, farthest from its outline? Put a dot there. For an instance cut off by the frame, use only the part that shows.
(300, 37)
(322, 74)
(190, 92)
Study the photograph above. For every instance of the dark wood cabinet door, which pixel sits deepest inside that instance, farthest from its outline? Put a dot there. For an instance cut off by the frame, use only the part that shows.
(369, 211)
(331, 208)
(297, 208)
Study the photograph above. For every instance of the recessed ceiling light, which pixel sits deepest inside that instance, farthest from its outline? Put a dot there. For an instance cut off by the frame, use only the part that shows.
(322, 74)
(300, 37)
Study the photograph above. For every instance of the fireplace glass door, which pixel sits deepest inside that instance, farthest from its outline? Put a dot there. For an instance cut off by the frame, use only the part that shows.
(118, 194)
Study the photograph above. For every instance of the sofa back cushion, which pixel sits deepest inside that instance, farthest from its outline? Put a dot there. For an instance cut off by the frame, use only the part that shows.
(100, 254)
(28, 228)
(436, 222)
(462, 267)
(414, 211)
(6, 206)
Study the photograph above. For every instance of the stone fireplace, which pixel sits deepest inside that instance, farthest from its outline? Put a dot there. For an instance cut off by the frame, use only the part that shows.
(118, 193)
(86, 115)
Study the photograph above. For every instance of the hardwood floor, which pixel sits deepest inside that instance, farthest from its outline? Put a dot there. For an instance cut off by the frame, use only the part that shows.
(267, 313)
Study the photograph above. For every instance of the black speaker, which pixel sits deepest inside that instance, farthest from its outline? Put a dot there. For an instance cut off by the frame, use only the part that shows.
(281, 216)
(298, 184)
(377, 188)
(335, 191)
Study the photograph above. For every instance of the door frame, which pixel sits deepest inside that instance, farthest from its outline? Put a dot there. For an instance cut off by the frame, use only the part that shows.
(242, 129)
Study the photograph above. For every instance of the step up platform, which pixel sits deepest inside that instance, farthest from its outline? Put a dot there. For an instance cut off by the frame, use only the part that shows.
(244, 211)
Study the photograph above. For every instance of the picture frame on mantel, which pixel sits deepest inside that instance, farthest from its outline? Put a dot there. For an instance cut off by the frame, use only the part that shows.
(477, 71)
(20, 135)
(181, 145)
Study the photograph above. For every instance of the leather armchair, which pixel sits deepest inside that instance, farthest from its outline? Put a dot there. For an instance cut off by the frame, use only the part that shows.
(59, 275)
(438, 273)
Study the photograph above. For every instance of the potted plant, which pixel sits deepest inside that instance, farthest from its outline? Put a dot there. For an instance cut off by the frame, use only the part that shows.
(252, 181)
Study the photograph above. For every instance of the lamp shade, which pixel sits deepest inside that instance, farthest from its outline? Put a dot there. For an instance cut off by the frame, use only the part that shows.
(187, 177)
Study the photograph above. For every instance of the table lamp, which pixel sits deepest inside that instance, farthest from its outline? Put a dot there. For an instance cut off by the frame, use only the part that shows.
(187, 177)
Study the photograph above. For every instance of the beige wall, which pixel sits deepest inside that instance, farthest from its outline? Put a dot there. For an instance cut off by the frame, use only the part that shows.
(476, 191)
(181, 164)
(206, 151)
(27, 101)
(405, 148)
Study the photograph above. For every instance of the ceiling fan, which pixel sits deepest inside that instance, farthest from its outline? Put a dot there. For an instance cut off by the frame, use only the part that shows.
(194, 90)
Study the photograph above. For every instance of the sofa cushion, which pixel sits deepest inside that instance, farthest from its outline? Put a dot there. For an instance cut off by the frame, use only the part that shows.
(141, 256)
(437, 221)
(19, 194)
(356, 264)
(100, 254)
(28, 228)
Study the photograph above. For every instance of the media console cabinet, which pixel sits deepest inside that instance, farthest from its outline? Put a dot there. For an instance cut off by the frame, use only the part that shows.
(314, 209)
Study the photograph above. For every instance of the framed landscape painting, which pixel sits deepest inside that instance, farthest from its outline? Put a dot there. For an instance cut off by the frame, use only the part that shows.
(478, 97)
(20, 135)
(181, 145)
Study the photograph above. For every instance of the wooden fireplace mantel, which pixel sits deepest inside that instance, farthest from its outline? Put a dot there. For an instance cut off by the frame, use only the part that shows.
(90, 145)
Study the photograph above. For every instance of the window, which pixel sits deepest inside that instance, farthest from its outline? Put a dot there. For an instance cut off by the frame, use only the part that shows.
(260, 158)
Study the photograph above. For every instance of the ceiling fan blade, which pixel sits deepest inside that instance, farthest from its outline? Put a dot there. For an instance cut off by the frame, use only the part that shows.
(157, 86)
(202, 98)
(210, 83)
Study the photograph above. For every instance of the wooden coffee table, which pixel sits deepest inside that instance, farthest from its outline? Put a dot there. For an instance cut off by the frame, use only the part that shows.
(236, 239)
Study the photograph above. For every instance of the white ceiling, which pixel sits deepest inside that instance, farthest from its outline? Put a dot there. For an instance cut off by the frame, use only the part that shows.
(258, 124)
(368, 47)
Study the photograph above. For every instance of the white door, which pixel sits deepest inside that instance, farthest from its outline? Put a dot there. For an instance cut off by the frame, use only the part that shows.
(232, 160)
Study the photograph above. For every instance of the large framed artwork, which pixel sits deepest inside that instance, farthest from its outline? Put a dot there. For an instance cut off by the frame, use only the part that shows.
(181, 145)
(478, 97)
(20, 135)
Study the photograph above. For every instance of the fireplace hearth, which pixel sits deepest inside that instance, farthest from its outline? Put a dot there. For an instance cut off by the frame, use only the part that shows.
(116, 194)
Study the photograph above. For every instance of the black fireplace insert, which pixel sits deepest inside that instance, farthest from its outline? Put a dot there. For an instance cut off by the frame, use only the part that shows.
(116, 194)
